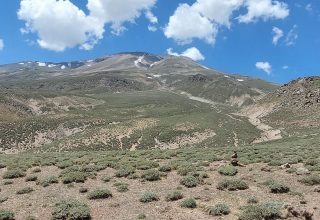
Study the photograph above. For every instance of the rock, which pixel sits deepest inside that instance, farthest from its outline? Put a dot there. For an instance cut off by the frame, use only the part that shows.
(307, 215)
(285, 166)
(302, 171)
(303, 202)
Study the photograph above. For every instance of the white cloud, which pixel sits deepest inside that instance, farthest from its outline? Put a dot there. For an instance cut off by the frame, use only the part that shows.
(186, 24)
(1, 44)
(151, 17)
(285, 67)
(264, 66)
(118, 12)
(61, 24)
(309, 7)
(277, 34)
(265, 10)
(152, 28)
(292, 36)
(202, 19)
(192, 53)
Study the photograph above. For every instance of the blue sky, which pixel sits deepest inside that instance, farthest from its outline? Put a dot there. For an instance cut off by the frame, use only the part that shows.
(274, 40)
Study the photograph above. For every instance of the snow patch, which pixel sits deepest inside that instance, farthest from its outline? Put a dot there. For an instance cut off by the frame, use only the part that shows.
(226, 76)
(155, 63)
(139, 60)
(156, 76)
(205, 67)
(42, 64)
(21, 63)
(51, 65)
(89, 65)
(240, 80)
(63, 67)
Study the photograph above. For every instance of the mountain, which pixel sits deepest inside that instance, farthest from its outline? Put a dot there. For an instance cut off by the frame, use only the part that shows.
(130, 101)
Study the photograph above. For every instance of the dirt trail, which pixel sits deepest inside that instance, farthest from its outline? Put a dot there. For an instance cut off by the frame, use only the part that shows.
(254, 114)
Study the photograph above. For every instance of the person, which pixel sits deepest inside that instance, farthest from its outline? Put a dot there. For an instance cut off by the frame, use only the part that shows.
(234, 160)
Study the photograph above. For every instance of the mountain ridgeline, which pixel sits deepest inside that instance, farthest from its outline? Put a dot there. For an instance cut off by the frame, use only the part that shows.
(138, 100)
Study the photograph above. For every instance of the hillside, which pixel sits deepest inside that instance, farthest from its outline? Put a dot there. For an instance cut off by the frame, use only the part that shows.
(124, 101)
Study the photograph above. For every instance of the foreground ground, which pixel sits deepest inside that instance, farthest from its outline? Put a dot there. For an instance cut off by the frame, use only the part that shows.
(263, 189)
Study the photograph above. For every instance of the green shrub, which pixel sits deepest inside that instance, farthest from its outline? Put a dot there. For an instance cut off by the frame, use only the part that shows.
(189, 181)
(186, 169)
(174, 196)
(228, 170)
(149, 197)
(151, 175)
(278, 188)
(219, 209)
(31, 178)
(189, 203)
(6, 214)
(25, 190)
(99, 194)
(124, 171)
(47, 181)
(121, 187)
(83, 190)
(311, 180)
(74, 177)
(64, 164)
(71, 209)
(269, 210)
(232, 185)
(165, 168)
(12, 174)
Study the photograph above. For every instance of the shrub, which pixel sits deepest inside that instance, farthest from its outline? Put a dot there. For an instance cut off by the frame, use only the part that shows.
(8, 182)
(174, 196)
(228, 170)
(186, 169)
(74, 177)
(189, 203)
(31, 218)
(64, 164)
(106, 178)
(12, 174)
(142, 216)
(165, 168)
(36, 170)
(269, 210)
(189, 181)
(121, 187)
(124, 171)
(232, 185)
(99, 194)
(252, 200)
(25, 190)
(3, 199)
(6, 214)
(71, 209)
(47, 181)
(149, 197)
(278, 188)
(151, 175)
(83, 190)
(311, 180)
(219, 209)
(31, 178)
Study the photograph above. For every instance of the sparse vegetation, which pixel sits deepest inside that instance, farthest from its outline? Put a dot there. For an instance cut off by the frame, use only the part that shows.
(25, 190)
(31, 178)
(6, 214)
(219, 209)
(269, 210)
(12, 174)
(71, 209)
(151, 175)
(83, 190)
(189, 181)
(228, 170)
(47, 181)
(311, 180)
(149, 197)
(121, 186)
(189, 203)
(232, 184)
(174, 196)
(99, 193)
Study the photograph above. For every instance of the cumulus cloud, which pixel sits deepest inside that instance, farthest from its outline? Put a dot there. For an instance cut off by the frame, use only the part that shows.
(118, 12)
(285, 67)
(192, 53)
(187, 23)
(277, 34)
(264, 66)
(202, 19)
(59, 24)
(292, 36)
(264, 9)
(309, 7)
(1, 44)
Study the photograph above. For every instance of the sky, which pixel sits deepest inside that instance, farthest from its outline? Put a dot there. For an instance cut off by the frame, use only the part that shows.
(276, 40)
